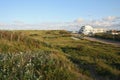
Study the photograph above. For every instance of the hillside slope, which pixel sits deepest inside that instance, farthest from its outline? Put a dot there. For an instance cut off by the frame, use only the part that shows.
(54, 55)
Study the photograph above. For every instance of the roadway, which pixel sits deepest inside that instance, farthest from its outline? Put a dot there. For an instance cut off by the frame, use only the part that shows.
(115, 43)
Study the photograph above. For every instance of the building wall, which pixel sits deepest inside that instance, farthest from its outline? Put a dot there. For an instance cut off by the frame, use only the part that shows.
(88, 30)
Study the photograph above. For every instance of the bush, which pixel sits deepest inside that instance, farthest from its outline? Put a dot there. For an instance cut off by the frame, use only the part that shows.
(41, 65)
(108, 36)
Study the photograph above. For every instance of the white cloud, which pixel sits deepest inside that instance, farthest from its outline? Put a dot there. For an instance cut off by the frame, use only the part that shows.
(18, 22)
(100, 23)
(110, 22)
(79, 20)
(109, 18)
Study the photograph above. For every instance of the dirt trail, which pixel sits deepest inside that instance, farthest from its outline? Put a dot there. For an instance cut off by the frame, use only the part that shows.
(75, 38)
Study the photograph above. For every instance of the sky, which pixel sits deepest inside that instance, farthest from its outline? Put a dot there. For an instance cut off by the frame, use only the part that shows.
(59, 14)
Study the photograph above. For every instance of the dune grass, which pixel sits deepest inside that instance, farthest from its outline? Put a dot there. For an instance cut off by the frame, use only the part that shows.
(54, 55)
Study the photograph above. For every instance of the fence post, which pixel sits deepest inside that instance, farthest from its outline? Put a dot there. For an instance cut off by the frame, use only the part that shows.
(11, 36)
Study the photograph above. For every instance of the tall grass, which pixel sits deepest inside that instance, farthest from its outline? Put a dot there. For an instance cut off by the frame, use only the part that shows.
(40, 65)
(13, 41)
(53, 55)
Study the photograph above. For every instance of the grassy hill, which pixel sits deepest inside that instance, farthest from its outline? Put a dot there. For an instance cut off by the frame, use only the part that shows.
(54, 55)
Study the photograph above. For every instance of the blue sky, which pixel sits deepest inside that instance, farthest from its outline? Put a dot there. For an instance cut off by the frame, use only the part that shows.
(44, 11)
(32, 11)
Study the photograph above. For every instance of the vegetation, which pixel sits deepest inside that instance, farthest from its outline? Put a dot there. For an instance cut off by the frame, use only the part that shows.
(108, 36)
(54, 55)
(40, 65)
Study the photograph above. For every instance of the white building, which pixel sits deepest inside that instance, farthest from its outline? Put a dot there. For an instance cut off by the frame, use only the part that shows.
(89, 30)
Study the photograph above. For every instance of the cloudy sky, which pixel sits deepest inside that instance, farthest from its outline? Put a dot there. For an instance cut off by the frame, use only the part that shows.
(59, 14)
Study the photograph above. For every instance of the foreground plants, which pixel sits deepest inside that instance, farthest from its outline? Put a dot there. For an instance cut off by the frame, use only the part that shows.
(39, 65)
(54, 55)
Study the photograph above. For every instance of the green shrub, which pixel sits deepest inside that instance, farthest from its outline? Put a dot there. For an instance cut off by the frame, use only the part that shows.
(41, 65)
